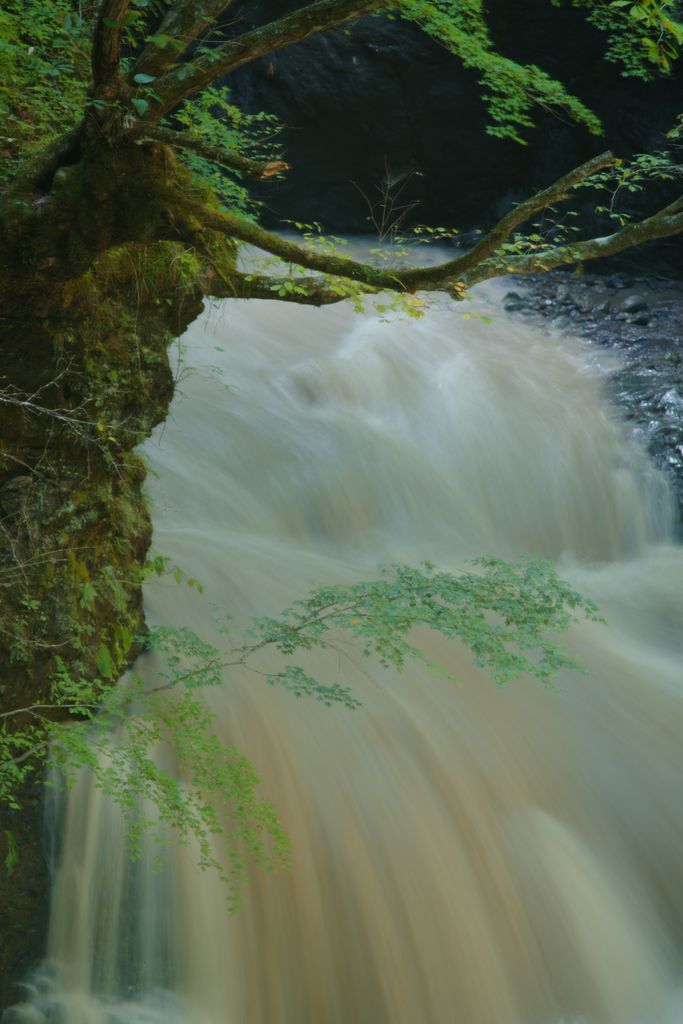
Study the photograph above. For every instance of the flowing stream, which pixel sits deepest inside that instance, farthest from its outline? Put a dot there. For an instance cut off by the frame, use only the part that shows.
(462, 854)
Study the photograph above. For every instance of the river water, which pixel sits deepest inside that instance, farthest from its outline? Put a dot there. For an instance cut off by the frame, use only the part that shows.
(461, 853)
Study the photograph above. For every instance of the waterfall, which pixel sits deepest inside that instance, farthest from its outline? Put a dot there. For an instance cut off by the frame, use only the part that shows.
(461, 853)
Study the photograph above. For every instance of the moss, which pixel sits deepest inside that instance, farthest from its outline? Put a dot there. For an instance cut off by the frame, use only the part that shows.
(72, 510)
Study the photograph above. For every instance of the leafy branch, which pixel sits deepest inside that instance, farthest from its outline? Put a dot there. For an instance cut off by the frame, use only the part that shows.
(506, 614)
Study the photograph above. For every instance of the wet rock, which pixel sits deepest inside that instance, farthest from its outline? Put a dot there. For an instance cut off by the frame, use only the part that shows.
(672, 401)
(584, 303)
(620, 281)
(634, 304)
(647, 384)
(513, 302)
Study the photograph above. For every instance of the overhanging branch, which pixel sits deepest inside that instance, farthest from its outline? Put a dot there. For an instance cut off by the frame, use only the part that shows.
(664, 224)
(443, 276)
(307, 291)
(452, 277)
(197, 74)
(557, 193)
(290, 252)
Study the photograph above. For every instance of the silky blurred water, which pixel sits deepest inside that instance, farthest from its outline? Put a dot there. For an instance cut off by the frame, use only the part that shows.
(461, 853)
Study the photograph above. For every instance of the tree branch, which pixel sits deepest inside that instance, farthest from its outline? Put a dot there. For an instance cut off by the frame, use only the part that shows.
(316, 17)
(186, 20)
(106, 51)
(664, 224)
(479, 264)
(556, 193)
(257, 169)
(307, 291)
(290, 252)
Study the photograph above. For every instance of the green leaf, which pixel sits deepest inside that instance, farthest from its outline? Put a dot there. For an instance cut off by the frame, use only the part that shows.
(12, 855)
(163, 40)
(143, 79)
(140, 105)
(104, 663)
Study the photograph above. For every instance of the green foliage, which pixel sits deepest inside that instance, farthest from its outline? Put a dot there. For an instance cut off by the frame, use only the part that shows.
(642, 37)
(44, 74)
(208, 794)
(511, 91)
(615, 185)
(199, 790)
(214, 119)
(500, 612)
(12, 854)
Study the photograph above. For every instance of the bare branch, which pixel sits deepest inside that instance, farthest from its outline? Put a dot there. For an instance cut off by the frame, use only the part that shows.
(316, 17)
(186, 20)
(257, 169)
(106, 51)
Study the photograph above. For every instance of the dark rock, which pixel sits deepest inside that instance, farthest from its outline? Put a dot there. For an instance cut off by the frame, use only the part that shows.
(620, 281)
(641, 319)
(634, 304)
(513, 302)
(647, 384)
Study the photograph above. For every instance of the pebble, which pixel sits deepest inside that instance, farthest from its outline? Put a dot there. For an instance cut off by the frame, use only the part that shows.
(620, 281)
(634, 304)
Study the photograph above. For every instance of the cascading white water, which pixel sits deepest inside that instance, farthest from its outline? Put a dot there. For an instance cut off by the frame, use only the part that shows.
(461, 854)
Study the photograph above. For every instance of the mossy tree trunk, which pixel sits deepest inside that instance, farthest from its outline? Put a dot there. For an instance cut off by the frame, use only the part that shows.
(84, 377)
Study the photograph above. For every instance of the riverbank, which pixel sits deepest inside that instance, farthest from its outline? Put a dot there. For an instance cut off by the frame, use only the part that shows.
(641, 321)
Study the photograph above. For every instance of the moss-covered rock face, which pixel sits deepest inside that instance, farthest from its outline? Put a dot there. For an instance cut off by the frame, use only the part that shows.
(84, 376)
